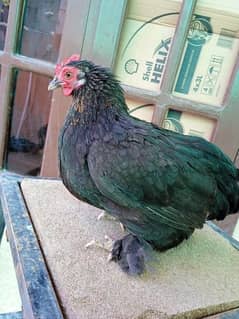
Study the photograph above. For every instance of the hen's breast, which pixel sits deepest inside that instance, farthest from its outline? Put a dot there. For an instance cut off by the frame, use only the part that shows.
(73, 166)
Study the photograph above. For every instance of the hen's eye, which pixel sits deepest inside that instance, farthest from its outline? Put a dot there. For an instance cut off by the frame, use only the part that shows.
(68, 75)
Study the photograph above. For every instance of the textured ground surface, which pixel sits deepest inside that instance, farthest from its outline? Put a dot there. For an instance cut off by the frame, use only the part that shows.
(198, 277)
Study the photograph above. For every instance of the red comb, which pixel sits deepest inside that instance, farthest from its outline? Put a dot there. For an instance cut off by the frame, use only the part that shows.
(74, 57)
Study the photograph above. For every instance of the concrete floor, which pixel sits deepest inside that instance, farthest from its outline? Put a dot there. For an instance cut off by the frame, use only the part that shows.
(9, 295)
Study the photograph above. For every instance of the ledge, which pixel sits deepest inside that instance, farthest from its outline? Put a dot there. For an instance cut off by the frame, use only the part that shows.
(195, 279)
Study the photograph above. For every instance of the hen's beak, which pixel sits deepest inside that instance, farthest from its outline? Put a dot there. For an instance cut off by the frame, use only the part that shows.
(54, 84)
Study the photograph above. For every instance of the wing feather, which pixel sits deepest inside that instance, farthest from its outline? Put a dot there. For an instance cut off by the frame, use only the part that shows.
(153, 179)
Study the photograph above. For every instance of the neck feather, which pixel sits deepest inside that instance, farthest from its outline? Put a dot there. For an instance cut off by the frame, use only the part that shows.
(101, 91)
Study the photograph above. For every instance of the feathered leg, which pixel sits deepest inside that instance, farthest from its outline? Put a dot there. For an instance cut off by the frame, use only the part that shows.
(128, 252)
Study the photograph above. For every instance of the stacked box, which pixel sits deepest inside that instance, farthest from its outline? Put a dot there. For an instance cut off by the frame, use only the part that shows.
(145, 42)
(209, 55)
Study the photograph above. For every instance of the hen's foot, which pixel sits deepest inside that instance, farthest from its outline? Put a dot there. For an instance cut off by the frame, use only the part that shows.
(106, 245)
(128, 252)
(105, 215)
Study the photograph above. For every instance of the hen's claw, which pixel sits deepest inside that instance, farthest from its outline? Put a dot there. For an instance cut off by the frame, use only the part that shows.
(105, 215)
(107, 245)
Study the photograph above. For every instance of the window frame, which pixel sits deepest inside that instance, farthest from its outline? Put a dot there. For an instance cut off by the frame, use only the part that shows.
(10, 59)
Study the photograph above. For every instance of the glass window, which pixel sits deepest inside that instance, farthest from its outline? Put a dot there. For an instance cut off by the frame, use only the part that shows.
(210, 52)
(189, 124)
(4, 7)
(145, 42)
(42, 28)
(30, 112)
(140, 109)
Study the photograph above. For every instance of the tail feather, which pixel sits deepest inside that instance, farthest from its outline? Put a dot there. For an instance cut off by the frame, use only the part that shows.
(226, 201)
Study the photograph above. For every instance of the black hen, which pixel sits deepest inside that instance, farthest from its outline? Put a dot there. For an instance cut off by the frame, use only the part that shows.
(161, 185)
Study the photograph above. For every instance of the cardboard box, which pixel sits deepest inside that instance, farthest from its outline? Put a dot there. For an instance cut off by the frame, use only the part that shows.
(144, 10)
(144, 112)
(208, 58)
(141, 62)
(189, 124)
(223, 14)
(207, 61)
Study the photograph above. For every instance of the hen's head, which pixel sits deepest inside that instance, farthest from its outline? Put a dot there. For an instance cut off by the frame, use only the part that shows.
(66, 76)
(84, 79)
(72, 74)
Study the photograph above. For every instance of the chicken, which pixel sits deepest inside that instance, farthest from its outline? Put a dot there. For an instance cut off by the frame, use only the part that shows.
(159, 184)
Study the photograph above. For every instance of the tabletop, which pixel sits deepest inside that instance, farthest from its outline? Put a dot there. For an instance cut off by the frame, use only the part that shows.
(38, 268)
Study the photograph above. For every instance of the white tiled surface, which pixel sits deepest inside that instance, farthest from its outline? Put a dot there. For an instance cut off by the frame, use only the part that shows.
(9, 295)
